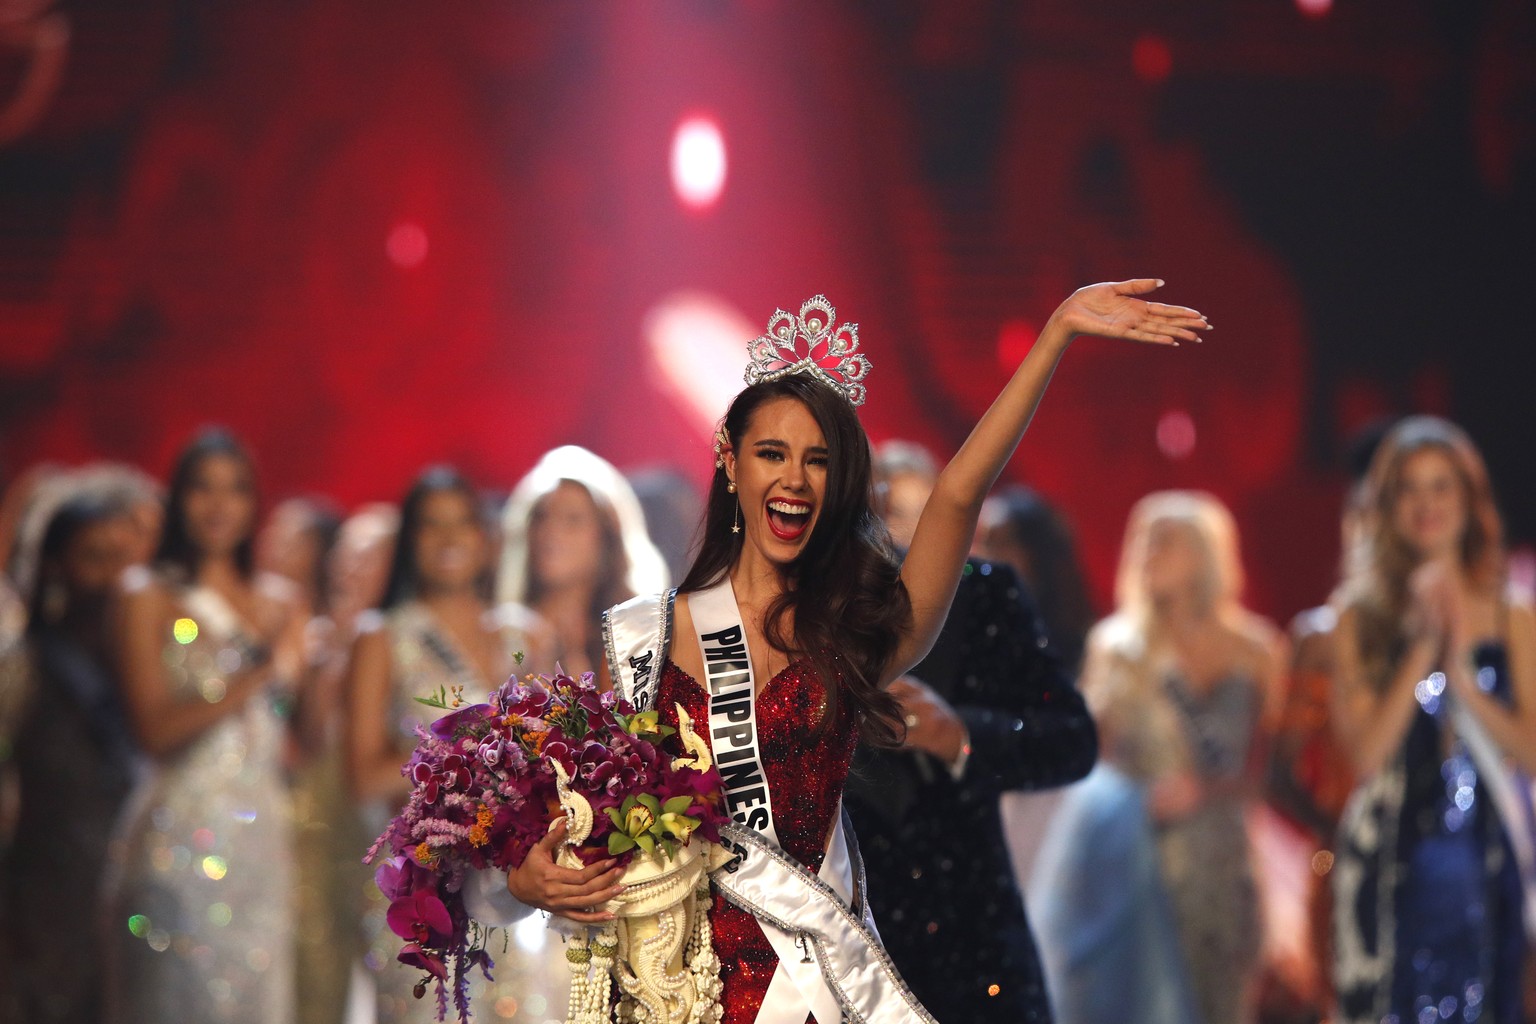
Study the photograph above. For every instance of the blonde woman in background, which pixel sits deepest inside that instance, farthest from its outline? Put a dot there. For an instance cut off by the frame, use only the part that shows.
(574, 543)
(1184, 684)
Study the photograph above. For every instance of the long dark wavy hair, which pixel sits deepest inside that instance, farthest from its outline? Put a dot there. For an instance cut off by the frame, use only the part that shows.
(844, 592)
(404, 574)
(78, 514)
(1056, 574)
(178, 555)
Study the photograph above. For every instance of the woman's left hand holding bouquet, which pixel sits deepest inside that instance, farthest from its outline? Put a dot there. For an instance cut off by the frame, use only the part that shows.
(540, 882)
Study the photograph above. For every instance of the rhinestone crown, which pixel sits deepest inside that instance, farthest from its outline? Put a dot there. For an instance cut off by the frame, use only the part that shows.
(810, 344)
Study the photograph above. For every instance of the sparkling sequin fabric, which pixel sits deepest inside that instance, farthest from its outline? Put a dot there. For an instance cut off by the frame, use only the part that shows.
(806, 774)
(1206, 866)
(1427, 891)
(200, 924)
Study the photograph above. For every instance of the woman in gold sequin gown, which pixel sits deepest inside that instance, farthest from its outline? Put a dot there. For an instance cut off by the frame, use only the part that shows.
(199, 926)
(436, 629)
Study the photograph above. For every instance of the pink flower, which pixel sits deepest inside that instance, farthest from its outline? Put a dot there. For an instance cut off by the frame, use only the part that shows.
(398, 877)
(412, 955)
(421, 917)
(454, 774)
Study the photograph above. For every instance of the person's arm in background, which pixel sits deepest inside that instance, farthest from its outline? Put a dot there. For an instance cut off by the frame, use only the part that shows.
(1027, 726)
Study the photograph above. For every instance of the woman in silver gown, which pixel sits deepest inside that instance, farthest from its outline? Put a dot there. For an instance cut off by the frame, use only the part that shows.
(198, 920)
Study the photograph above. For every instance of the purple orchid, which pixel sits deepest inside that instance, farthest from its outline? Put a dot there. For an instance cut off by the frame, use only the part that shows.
(454, 774)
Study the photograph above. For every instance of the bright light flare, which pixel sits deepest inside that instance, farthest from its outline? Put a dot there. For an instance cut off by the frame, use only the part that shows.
(696, 341)
(698, 162)
(1314, 8)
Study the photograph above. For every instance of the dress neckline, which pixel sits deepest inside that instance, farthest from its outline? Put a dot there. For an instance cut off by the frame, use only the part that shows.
(780, 674)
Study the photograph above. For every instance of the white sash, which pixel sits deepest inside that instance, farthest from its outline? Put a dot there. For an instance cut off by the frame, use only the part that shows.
(831, 962)
(1503, 789)
(732, 690)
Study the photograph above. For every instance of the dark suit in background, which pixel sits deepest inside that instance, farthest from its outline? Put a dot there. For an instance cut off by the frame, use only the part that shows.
(940, 882)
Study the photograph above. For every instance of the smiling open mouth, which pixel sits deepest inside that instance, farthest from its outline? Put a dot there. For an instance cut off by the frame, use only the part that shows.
(788, 519)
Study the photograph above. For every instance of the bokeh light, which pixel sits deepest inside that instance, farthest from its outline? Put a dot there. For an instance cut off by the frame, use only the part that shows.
(406, 245)
(1151, 58)
(698, 162)
(1176, 434)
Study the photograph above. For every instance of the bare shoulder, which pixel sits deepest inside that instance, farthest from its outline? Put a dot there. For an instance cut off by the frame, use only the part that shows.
(1258, 640)
(278, 596)
(1117, 637)
(514, 615)
(143, 592)
(1522, 613)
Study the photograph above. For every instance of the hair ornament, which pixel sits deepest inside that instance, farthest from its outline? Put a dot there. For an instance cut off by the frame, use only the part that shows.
(810, 344)
(722, 442)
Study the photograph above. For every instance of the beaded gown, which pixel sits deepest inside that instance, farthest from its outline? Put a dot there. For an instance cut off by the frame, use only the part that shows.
(1426, 888)
(423, 657)
(199, 921)
(1163, 725)
(806, 769)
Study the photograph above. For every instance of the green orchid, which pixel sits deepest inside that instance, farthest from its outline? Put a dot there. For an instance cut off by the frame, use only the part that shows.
(645, 723)
(645, 822)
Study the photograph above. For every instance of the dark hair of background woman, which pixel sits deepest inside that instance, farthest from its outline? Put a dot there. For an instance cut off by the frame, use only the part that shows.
(177, 551)
(68, 521)
(844, 590)
(1057, 584)
(404, 574)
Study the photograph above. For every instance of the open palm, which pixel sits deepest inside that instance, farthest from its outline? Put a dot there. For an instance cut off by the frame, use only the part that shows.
(1114, 310)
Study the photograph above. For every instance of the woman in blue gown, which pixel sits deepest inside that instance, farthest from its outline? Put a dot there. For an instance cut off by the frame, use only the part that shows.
(1435, 691)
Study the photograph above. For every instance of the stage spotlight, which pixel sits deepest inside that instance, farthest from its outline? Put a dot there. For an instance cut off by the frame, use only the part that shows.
(698, 162)
(1314, 8)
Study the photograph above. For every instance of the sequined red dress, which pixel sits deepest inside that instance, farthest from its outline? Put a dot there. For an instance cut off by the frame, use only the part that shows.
(805, 773)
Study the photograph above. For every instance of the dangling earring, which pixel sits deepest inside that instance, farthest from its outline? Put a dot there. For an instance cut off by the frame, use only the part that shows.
(730, 488)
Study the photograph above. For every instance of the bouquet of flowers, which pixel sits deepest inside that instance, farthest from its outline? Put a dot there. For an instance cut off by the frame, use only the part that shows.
(490, 780)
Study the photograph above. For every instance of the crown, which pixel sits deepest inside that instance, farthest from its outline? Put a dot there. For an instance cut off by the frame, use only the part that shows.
(809, 344)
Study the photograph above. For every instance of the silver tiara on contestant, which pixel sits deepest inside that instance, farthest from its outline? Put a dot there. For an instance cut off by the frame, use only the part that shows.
(809, 344)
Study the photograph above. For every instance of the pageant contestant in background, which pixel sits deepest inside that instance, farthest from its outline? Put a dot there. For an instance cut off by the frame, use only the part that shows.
(1435, 686)
(573, 544)
(1024, 531)
(199, 920)
(1183, 682)
(795, 563)
(295, 544)
(990, 709)
(73, 756)
(437, 629)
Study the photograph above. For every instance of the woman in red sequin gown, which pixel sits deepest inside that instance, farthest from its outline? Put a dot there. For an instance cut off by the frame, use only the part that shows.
(830, 617)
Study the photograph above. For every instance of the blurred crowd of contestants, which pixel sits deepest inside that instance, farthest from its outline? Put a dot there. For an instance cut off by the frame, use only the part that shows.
(205, 703)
